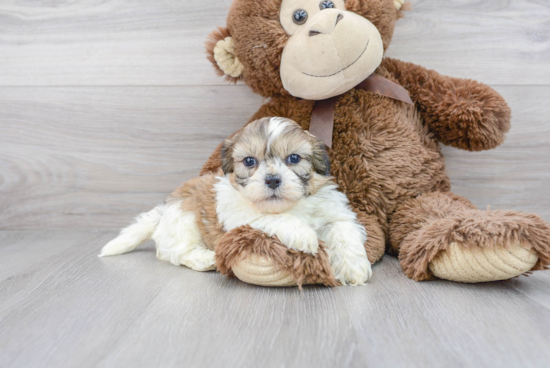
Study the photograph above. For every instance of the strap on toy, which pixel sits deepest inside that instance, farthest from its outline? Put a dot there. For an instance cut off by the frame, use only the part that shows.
(322, 117)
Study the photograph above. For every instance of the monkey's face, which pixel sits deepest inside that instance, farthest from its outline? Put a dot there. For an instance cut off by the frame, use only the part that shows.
(274, 163)
(312, 49)
(330, 50)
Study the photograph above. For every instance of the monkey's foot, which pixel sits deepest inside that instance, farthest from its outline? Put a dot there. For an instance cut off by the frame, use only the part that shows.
(256, 258)
(476, 264)
(260, 270)
(455, 241)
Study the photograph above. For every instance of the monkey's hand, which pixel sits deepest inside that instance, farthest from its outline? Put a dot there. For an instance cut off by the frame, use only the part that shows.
(459, 112)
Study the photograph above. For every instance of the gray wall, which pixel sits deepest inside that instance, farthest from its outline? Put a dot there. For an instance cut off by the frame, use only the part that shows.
(106, 106)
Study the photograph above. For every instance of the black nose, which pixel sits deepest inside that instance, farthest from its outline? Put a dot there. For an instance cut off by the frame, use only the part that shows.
(273, 181)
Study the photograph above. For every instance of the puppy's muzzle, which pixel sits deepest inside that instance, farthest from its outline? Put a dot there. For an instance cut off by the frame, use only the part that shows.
(273, 181)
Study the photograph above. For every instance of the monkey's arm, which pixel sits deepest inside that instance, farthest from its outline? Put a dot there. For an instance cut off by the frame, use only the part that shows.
(461, 113)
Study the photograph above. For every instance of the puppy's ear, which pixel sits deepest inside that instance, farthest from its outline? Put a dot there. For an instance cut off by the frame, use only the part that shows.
(320, 159)
(227, 156)
(220, 50)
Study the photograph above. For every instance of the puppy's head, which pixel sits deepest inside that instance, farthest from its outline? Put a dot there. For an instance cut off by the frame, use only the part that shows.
(274, 163)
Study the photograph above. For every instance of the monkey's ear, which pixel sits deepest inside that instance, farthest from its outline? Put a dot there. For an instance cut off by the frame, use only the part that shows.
(220, 50)
(227, 156)
(320, 159)
(398, 3)
(401, 7)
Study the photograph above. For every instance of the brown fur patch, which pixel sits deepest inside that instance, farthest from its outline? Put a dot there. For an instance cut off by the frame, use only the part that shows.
(305, 268)
(376, 238)
(199, 197)
(381, 13)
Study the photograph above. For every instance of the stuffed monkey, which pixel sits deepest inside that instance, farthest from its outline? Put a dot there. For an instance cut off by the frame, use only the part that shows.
(321, 63)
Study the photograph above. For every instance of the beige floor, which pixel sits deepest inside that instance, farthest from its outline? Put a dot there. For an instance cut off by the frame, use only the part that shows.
(107, 105)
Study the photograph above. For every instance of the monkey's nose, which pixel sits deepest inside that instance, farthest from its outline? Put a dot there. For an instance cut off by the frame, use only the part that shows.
(273, 181)
(327, 24)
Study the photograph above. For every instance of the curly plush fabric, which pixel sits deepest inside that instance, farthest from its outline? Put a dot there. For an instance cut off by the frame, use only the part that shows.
(475, 264)
(224, 54)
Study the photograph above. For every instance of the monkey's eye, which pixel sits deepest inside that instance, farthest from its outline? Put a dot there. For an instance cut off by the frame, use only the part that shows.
(293, 159)
(249, 161)
(327, 4)
(300, 16)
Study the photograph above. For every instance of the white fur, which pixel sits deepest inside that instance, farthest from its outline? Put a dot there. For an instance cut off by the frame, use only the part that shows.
(275, 128)
(175, 233)
(135, 234)
(179, 240)
(324, 215)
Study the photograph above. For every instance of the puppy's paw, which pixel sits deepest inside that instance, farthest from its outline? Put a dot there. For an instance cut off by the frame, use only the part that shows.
(351, 271)
(302, 239)
(199, 260)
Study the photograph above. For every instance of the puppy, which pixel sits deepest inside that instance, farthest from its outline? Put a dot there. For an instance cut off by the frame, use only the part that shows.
(276, 179)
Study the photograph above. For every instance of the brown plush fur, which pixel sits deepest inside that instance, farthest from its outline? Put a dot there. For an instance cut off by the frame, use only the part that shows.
(243, 241)
(386, 156)
(424, 226)
(459, 112)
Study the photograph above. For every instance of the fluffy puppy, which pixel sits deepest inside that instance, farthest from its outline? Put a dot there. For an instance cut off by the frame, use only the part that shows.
(276, 179)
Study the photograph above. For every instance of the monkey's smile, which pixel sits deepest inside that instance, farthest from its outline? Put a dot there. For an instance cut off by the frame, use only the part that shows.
(341, 70)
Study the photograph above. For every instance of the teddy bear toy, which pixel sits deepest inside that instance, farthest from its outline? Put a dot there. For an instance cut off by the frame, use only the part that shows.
(321, 63)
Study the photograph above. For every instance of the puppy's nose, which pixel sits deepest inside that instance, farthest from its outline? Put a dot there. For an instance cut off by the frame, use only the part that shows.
(273, 181)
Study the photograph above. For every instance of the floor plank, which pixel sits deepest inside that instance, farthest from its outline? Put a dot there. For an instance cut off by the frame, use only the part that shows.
(123, 42)
(132, 310)
(93, 157)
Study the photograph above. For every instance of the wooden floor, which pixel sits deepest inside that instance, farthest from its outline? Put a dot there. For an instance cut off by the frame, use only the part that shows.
(62, 306)
(107, 105)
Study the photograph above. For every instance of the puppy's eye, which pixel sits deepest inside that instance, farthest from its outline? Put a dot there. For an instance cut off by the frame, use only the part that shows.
(327, 4)
(249, 161)
(293, 159)
(300, 16)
